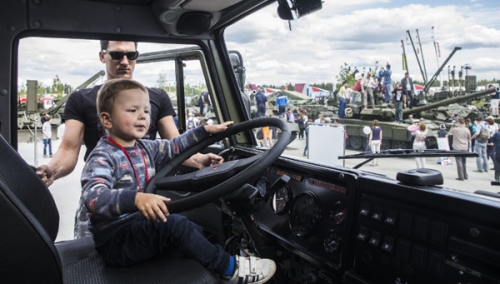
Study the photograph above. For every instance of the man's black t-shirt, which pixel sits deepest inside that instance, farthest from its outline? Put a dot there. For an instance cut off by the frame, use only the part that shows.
(81, 106)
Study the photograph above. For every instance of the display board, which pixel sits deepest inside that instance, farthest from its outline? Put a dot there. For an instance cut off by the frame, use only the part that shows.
(326, 144)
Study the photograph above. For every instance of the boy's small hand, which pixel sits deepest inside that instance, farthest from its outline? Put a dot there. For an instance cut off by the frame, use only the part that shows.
(152, 206)
(216, 128)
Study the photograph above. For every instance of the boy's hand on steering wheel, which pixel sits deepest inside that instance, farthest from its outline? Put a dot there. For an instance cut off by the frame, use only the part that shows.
(152, 206)
(216, 128)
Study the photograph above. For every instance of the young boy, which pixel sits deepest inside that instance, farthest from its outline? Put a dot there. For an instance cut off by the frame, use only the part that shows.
(47, 136)
(130, 226)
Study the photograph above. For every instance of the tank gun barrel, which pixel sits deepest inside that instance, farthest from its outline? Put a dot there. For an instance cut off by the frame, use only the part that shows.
(446, 102)
(63, 100)
(91, 79)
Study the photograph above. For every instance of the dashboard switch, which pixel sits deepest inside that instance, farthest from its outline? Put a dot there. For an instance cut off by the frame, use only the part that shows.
(418, 257)
(388, 244)
(377, 213)
(421, 228)
(439, 233)
(375, 239)
(363, 234)
(390, 218)
(403, 250)
(406, 223)
(365, 210)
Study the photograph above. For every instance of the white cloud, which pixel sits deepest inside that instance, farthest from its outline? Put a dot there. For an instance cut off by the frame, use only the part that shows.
(358, 32)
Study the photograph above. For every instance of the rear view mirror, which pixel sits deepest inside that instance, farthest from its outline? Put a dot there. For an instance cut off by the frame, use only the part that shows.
(301, 8)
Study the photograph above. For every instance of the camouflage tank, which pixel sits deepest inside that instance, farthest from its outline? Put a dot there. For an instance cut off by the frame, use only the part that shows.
(27, 120)
(314, 109)
(396, 135)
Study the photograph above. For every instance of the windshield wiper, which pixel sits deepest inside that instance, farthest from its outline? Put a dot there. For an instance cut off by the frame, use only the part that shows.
(406, 153)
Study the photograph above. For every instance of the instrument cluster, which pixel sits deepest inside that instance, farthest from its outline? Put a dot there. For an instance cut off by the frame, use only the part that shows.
(308, 214)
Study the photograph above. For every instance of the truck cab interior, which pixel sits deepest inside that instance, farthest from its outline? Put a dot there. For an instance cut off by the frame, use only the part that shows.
(319, 223)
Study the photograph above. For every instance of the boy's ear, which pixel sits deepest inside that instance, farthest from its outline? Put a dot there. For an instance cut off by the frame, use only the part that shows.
(105, 119)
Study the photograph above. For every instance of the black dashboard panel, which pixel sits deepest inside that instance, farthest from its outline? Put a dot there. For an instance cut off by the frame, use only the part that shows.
(316, 225)
(424, 235)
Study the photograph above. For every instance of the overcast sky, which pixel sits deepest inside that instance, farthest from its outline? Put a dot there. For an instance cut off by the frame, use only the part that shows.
(357, 32)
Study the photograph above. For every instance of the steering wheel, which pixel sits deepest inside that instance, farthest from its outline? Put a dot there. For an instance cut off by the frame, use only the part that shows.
(227, 176)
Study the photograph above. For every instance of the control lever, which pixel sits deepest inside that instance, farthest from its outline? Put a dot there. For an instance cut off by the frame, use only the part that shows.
(277, 185)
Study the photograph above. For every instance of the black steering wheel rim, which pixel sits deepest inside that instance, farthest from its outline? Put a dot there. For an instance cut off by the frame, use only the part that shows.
(228, 186)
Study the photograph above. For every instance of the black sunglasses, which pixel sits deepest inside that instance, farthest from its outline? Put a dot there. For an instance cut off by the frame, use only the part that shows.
(118, 55)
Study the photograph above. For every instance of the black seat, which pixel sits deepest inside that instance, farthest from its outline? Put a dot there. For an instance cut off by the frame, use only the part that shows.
(29, 222)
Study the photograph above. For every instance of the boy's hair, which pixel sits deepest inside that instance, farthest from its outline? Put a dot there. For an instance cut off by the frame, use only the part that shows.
(110, 89)
(47, 117)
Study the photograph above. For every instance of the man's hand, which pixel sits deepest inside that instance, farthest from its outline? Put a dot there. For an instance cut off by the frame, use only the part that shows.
(152, 206)
(206, 160)
(46, 174)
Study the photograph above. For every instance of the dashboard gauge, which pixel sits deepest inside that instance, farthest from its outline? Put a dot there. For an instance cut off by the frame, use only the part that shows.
(262, 185)
(281, 199)
(331, 243)
(305, 214)
(338, 213)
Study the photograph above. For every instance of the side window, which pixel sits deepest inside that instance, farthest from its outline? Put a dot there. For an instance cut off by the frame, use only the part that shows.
(183, 78)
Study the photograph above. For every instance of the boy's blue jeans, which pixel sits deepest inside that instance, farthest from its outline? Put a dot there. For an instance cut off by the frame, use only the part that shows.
(143, 239)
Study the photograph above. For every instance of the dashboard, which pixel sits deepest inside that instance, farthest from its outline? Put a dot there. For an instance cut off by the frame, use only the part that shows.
(309, 216)
(346, 226)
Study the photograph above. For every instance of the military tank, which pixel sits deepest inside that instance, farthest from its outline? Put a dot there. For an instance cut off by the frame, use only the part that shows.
(395, 134)
(27, 120)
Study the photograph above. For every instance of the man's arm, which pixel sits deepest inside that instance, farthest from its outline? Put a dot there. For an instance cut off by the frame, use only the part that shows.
(66, 156)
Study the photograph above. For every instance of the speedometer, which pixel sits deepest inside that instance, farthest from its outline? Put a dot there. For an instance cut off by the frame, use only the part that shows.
(305, 214)
(281, 200)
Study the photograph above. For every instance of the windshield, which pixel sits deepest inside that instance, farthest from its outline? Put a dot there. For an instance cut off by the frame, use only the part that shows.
(321, 63)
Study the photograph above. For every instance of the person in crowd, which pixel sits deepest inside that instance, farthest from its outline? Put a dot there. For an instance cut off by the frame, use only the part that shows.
(192, 122)
(357, 89)
(375, 140)
(260, 103)
(480, 145)
(43, 118)
(320, 120)
(494, 100)
(407, 84)
(419, 143)
(302, 125)
(461, 137)
(496, 155)
(281, 102)
(47, 137)
(129, 226)
(399, 100)
(60, 129)
(472, 129)
(369, 85)
(492, 127)
(289, 116)
(343, 98)
(82, 122)
(442, 133)
(204, 99)
(386, 74)
(306, 148)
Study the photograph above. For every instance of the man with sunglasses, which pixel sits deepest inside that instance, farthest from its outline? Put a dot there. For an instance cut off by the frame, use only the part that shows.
(82, 124)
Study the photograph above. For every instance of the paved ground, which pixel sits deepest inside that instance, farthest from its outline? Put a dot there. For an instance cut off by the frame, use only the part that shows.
(66, 191)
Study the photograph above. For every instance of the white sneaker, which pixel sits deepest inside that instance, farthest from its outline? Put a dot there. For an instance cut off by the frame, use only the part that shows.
(251, 269)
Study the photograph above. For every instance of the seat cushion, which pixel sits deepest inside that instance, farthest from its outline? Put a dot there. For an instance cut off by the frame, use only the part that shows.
(82, 264)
